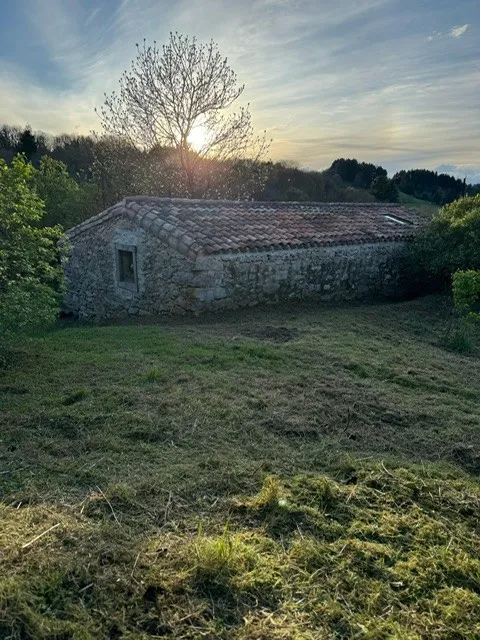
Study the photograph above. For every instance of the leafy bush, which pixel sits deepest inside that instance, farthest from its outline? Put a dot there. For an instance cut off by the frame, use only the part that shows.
(451, 242)
(31, 277)
(26, 304)
(66, 201)
(466, 293)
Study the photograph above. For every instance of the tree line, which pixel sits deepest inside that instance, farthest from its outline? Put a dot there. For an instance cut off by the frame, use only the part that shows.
(439, 188)
(77, 176)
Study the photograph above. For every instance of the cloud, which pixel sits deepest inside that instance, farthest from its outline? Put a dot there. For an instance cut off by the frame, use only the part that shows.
(24, 101)
(325, 79)
(454, 32)
(458, 31)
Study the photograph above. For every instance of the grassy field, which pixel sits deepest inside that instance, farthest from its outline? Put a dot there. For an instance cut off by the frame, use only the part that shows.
(300, 474)
(424, 206)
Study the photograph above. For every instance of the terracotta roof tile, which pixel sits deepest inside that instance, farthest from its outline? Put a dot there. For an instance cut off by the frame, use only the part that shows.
(198, 227)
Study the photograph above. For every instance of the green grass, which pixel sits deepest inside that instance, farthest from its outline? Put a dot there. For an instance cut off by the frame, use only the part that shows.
(301, 473)
(424, 206)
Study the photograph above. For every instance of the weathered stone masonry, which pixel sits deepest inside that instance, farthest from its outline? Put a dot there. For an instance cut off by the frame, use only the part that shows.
(327, 273)
(93, 291)
(169, 281)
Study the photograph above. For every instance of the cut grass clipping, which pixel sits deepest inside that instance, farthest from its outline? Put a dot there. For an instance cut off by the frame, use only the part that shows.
(375, 553)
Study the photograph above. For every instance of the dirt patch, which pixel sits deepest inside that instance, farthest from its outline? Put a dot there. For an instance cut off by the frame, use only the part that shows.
(273, 334)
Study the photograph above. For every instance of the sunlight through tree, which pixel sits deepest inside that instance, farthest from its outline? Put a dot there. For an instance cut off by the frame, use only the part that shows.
(180, 96)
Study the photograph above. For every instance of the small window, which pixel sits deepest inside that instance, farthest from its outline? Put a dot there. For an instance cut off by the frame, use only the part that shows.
(127, 267)
(126, 270)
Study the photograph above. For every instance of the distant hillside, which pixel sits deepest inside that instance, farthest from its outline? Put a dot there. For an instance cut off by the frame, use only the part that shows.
(421, 189)
(416, 203)
(439, 188)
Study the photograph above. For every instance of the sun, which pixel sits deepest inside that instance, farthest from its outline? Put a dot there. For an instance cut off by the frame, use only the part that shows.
(198, 137)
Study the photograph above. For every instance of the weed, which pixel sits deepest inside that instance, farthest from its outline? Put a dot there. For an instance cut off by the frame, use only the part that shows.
(271, 496)
(153, 375)
(216, 560)
(457, 340)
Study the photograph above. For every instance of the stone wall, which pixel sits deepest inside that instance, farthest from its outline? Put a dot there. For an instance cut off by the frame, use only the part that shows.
(93, 290)
(169, 282)
(351, 272)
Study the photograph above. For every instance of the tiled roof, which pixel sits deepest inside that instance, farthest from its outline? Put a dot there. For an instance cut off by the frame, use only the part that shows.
(200, 227)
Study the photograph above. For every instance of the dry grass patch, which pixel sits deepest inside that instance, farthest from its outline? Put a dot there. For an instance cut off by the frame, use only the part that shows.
(376, 553)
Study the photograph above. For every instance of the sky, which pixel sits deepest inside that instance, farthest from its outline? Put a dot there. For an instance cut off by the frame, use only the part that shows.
(394, 82)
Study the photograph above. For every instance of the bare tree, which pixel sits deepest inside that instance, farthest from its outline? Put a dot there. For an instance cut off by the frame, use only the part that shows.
(180, 96)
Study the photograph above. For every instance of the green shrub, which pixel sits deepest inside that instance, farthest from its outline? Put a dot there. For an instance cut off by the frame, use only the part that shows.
(31, 275)
(450, 243)
(25, 305)
(66, 201)
(293, 194)
(466, 293)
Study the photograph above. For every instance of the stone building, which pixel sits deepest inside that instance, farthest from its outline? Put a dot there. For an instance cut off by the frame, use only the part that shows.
(155, 255)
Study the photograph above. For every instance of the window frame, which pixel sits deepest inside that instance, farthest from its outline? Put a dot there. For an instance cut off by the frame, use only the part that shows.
(122, 284)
